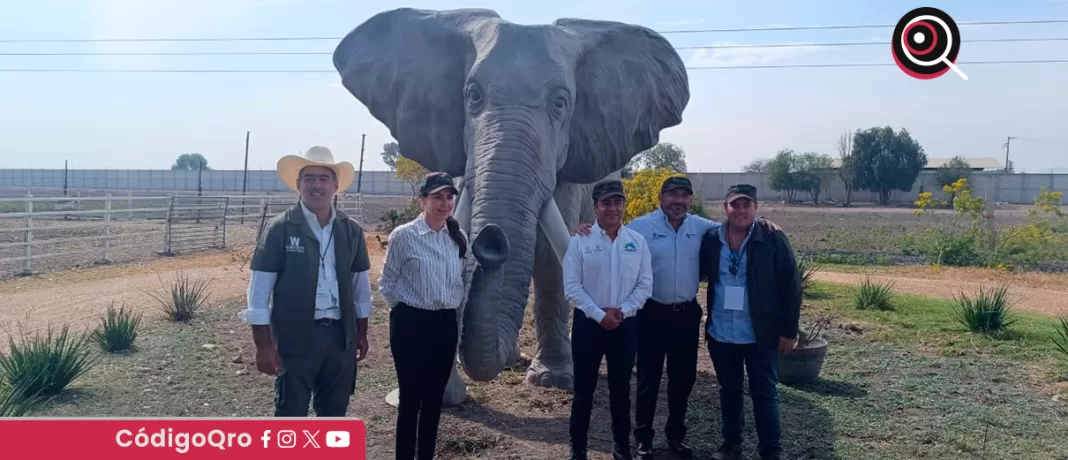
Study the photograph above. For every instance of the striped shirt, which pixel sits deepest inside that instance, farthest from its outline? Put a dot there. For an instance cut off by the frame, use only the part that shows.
(261, 285)
(422, 267)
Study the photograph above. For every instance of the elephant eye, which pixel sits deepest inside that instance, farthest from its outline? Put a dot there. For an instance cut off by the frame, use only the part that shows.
(474, 96)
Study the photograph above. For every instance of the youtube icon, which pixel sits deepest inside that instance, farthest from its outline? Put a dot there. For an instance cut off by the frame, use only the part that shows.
(337, 439)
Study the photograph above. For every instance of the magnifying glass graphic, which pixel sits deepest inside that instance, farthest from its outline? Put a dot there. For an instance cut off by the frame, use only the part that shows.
(934, 36)
(925, 43)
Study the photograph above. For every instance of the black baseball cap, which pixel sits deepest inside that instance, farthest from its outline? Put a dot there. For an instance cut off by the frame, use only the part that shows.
(676, 182)
(605, 189)
(737, 191)
(436, 181)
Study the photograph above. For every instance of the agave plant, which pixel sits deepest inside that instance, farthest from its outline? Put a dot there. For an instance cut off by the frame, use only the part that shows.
(806, 268)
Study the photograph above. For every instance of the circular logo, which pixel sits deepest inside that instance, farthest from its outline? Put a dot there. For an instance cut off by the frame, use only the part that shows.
(925, 43)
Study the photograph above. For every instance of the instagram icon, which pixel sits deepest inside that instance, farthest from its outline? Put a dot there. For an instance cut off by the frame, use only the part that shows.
(287, 439)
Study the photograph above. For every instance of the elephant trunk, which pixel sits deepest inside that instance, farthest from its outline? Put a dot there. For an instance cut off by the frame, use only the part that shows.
(509, 187)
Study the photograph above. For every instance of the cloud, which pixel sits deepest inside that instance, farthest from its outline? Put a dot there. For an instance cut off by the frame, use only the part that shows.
(743, 56)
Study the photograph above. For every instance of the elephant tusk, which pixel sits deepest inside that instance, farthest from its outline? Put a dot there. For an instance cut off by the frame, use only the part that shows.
(555, 229)
(462, 214)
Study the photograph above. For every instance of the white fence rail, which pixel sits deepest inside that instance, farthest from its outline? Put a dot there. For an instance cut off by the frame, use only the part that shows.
(42, 234)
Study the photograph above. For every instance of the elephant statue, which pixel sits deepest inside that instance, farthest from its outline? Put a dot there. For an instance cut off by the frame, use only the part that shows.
(528, 117)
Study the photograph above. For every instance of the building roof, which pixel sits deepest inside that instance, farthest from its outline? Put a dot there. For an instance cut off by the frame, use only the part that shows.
(933, 163)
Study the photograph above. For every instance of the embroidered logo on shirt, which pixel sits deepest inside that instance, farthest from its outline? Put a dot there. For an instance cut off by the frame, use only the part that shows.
(630, 247)
(294, 245)
(657, 236)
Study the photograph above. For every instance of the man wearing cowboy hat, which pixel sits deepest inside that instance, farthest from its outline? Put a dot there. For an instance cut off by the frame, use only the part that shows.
(312, 263)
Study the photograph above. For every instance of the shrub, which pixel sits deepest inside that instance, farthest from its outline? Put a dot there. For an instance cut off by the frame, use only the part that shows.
(871, 295)
(118, 329)
(806, 268)
(186, 298)
(1061, 339)
(44, 367)
(989, 313)
(643, 192)
(394, 217)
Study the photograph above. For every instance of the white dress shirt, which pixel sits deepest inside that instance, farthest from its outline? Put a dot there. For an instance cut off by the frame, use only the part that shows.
(261, 285)
(600, 272)
(422, 267)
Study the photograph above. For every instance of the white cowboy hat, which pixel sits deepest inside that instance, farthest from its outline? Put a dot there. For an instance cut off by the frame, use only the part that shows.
(289, 167)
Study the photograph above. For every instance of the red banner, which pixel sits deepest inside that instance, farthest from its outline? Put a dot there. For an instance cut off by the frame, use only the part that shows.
(195, 438)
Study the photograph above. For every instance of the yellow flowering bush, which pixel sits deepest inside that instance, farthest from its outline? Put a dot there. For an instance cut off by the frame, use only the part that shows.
(410, 172)
(643, 192)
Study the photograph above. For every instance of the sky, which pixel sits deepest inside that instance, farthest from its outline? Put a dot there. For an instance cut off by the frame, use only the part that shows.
(145, 120)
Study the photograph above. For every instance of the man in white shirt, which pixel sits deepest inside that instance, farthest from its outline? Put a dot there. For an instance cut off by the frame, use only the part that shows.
(311, 263)
(608, 276)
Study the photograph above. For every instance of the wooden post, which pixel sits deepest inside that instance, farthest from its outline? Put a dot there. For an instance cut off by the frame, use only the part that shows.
(107, 228)
(27, 265)
(167, 226)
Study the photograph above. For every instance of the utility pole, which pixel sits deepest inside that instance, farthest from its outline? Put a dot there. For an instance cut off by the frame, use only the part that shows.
(359, 178)
(244, 182)
(1007, 141)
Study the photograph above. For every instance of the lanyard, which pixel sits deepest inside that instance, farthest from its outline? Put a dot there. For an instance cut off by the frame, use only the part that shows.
(323, 251)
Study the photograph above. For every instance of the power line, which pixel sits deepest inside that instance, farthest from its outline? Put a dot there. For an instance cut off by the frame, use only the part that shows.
(327, 53)
(694, 31)
(769, 66)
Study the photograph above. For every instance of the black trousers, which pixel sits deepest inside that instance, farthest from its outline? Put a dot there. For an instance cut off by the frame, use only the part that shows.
(672, 332)
(423, 343)
(589, 343)
(326, 377)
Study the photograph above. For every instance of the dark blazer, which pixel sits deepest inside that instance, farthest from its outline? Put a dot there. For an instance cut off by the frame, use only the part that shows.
(773, 283)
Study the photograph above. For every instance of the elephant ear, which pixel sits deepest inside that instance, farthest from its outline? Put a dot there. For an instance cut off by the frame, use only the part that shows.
(630, 84)
(408, 66)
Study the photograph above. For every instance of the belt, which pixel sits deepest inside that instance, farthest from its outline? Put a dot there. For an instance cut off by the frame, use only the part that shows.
(679, 306)
(326, 321)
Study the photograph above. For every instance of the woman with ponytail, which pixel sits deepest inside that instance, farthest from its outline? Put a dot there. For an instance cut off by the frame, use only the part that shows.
(422, 281)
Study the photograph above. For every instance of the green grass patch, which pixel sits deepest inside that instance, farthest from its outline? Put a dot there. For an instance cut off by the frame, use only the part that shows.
(927, 322)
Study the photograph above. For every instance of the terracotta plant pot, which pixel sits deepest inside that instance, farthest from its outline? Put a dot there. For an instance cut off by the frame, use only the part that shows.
(803, 365)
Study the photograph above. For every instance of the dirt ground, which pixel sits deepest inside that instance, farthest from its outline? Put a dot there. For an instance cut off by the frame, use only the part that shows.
(206, 369)
(79, 297)
(1034, 292)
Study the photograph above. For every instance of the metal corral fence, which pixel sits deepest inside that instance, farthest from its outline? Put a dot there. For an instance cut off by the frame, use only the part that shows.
(42, 234)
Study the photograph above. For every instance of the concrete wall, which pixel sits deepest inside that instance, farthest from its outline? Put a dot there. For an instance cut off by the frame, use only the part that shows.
(1008, 188)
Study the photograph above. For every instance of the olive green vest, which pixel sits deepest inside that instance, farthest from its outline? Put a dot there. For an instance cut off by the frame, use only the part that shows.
(289, 248)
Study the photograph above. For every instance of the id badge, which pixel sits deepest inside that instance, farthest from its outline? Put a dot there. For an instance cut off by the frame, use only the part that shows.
(734, 298)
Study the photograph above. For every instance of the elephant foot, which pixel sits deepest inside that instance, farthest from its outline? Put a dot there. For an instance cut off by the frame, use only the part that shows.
(455, 392)
(542, 375)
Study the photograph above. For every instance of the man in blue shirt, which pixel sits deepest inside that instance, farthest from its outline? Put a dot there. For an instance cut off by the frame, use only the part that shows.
(754, 303)
(670, 322)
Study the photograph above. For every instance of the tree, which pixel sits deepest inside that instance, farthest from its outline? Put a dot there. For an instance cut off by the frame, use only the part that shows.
(663, 155)
(816, 171)
(949, 173)
(390, 152)
(783, 174)
(189, 162)
(886, 161)
(759, 166)
(847, 171)
(410, 172)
